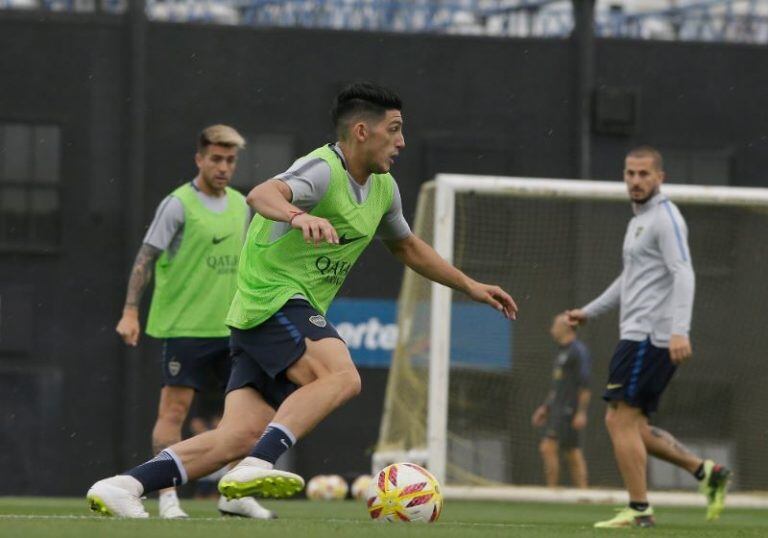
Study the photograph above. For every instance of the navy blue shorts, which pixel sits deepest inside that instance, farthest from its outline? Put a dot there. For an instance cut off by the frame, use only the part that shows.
(559, 428)
(262, 354)
(638, 375)
(199, 363)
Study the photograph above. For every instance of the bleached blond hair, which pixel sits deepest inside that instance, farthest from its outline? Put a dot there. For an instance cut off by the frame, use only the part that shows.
(219, 135)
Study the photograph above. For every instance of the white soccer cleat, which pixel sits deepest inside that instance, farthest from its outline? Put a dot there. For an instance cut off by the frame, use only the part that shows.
(251, 478)
(244, 507)
(117, 496)
(172, 511)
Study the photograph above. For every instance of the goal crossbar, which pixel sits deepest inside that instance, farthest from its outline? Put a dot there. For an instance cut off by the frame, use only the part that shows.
(597, 190)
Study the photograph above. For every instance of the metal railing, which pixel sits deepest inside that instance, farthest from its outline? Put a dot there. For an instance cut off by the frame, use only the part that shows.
(743, 21)
(76, 6)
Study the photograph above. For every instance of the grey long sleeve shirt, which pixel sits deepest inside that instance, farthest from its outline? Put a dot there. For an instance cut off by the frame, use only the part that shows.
(656, 286)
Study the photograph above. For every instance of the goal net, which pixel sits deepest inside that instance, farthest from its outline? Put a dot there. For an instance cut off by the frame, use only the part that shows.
(464, 381)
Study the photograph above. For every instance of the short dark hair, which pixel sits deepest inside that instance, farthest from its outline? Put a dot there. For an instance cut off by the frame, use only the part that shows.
(362, 98)
(648, 151)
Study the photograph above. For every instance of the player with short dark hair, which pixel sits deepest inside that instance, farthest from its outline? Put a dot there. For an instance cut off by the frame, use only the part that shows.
(655, 293)
(193, 246)
(290, 367)
(563, 416)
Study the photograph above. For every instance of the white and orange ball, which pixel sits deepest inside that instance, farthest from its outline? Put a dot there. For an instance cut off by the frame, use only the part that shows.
(360, 485)
(326, 487)
(404, 492)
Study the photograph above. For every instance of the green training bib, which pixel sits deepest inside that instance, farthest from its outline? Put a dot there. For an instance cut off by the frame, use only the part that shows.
(194, 288)
(270, 273)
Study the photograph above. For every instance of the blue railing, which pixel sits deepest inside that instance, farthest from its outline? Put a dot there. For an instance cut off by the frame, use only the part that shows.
(79, 6)
(697, 20)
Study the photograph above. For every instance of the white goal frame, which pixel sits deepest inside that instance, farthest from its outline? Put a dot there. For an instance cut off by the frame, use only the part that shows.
(447, 187)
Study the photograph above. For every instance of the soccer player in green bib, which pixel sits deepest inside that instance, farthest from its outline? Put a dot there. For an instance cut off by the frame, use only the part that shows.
(193, 245)
(290, 367)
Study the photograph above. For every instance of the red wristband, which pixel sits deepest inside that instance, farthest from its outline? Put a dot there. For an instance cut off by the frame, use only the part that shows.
(294, 215)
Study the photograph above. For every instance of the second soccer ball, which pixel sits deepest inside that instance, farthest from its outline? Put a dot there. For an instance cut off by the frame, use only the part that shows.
(327, 488)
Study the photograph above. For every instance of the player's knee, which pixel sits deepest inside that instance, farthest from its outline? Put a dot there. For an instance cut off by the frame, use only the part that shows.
(351, 384)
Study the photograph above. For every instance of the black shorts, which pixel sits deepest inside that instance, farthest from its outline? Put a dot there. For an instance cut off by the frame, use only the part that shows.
(199, 363)
(261, 355)
(559, 428)
(639, 373)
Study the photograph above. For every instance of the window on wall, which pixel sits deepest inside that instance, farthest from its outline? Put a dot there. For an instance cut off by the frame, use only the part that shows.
(30, 180)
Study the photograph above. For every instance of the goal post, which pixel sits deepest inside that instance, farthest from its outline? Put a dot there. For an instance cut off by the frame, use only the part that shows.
(440, 336)
(466, 383)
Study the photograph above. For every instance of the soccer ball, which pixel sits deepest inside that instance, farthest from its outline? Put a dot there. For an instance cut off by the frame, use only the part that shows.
(360, 486)
(404, 492)
(327, 488)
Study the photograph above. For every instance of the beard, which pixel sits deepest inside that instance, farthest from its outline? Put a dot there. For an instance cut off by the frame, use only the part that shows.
(647, 197)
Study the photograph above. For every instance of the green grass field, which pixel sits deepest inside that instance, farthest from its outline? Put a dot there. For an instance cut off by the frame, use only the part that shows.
(63, 518)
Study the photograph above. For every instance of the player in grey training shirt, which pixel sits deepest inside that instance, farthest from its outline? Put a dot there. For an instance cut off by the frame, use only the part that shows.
(563, 415)
(655, 293)
(190, 364)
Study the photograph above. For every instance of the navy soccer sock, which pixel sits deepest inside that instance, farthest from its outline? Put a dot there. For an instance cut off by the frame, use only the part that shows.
(640, 507)
(162, 471)
(275, 440)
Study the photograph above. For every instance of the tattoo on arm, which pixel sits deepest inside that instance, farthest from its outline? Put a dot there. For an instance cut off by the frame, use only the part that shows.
(141, 274)
(670, 440)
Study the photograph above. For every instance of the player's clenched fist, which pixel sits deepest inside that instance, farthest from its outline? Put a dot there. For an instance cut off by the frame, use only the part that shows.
(128, 327)
(679, 348)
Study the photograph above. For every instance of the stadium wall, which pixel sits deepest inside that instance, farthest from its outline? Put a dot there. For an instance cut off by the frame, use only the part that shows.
(473, 105)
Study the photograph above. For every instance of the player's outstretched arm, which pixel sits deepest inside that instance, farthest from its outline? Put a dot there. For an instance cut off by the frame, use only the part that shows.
(129, 327)
(272, 200)
(423, 259)
(607, 300)
(576, 317)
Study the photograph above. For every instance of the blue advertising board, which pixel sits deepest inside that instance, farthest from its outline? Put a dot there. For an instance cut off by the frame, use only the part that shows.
(480, 336)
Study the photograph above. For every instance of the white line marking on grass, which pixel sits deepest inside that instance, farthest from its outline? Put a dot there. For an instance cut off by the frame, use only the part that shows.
(198, 519)
(453, 523)
(106, 518)
(28, 516)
